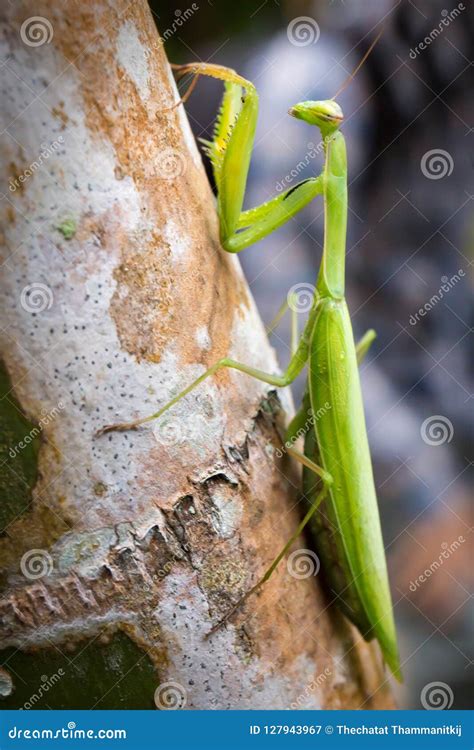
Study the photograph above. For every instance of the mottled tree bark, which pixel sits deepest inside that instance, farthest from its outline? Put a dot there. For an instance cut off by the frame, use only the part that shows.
(119, 553)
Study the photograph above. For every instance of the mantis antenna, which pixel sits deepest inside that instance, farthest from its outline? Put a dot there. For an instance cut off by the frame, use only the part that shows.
(351, 77)
(183, 69)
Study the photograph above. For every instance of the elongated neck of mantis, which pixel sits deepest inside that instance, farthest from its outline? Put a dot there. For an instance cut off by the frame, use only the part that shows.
(332, 271)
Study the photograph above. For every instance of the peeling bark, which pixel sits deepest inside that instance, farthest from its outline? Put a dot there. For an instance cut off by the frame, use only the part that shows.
(117, 294)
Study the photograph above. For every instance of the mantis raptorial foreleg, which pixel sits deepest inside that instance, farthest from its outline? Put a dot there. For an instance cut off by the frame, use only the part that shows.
(285, 206)
(230, 152)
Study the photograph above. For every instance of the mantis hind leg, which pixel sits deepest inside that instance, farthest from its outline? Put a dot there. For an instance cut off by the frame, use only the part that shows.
(327, 481)
(300, 423)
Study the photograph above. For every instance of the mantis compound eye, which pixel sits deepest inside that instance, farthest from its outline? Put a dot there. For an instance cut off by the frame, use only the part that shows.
(326, 114)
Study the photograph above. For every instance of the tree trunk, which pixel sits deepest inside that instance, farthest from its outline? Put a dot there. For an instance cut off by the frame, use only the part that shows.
(119, 553)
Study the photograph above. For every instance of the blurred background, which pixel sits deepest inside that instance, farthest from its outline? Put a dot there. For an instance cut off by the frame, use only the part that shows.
(408, 126)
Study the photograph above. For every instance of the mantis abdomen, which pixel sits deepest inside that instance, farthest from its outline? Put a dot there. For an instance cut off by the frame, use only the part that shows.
(349, 537)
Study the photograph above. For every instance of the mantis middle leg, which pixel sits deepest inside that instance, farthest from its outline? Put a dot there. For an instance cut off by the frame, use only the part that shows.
(295, 366)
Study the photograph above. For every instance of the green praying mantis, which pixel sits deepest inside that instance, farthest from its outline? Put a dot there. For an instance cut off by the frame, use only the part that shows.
(337, 469)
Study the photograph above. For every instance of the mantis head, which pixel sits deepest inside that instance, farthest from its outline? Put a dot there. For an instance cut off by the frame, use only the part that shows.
(326, 115)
